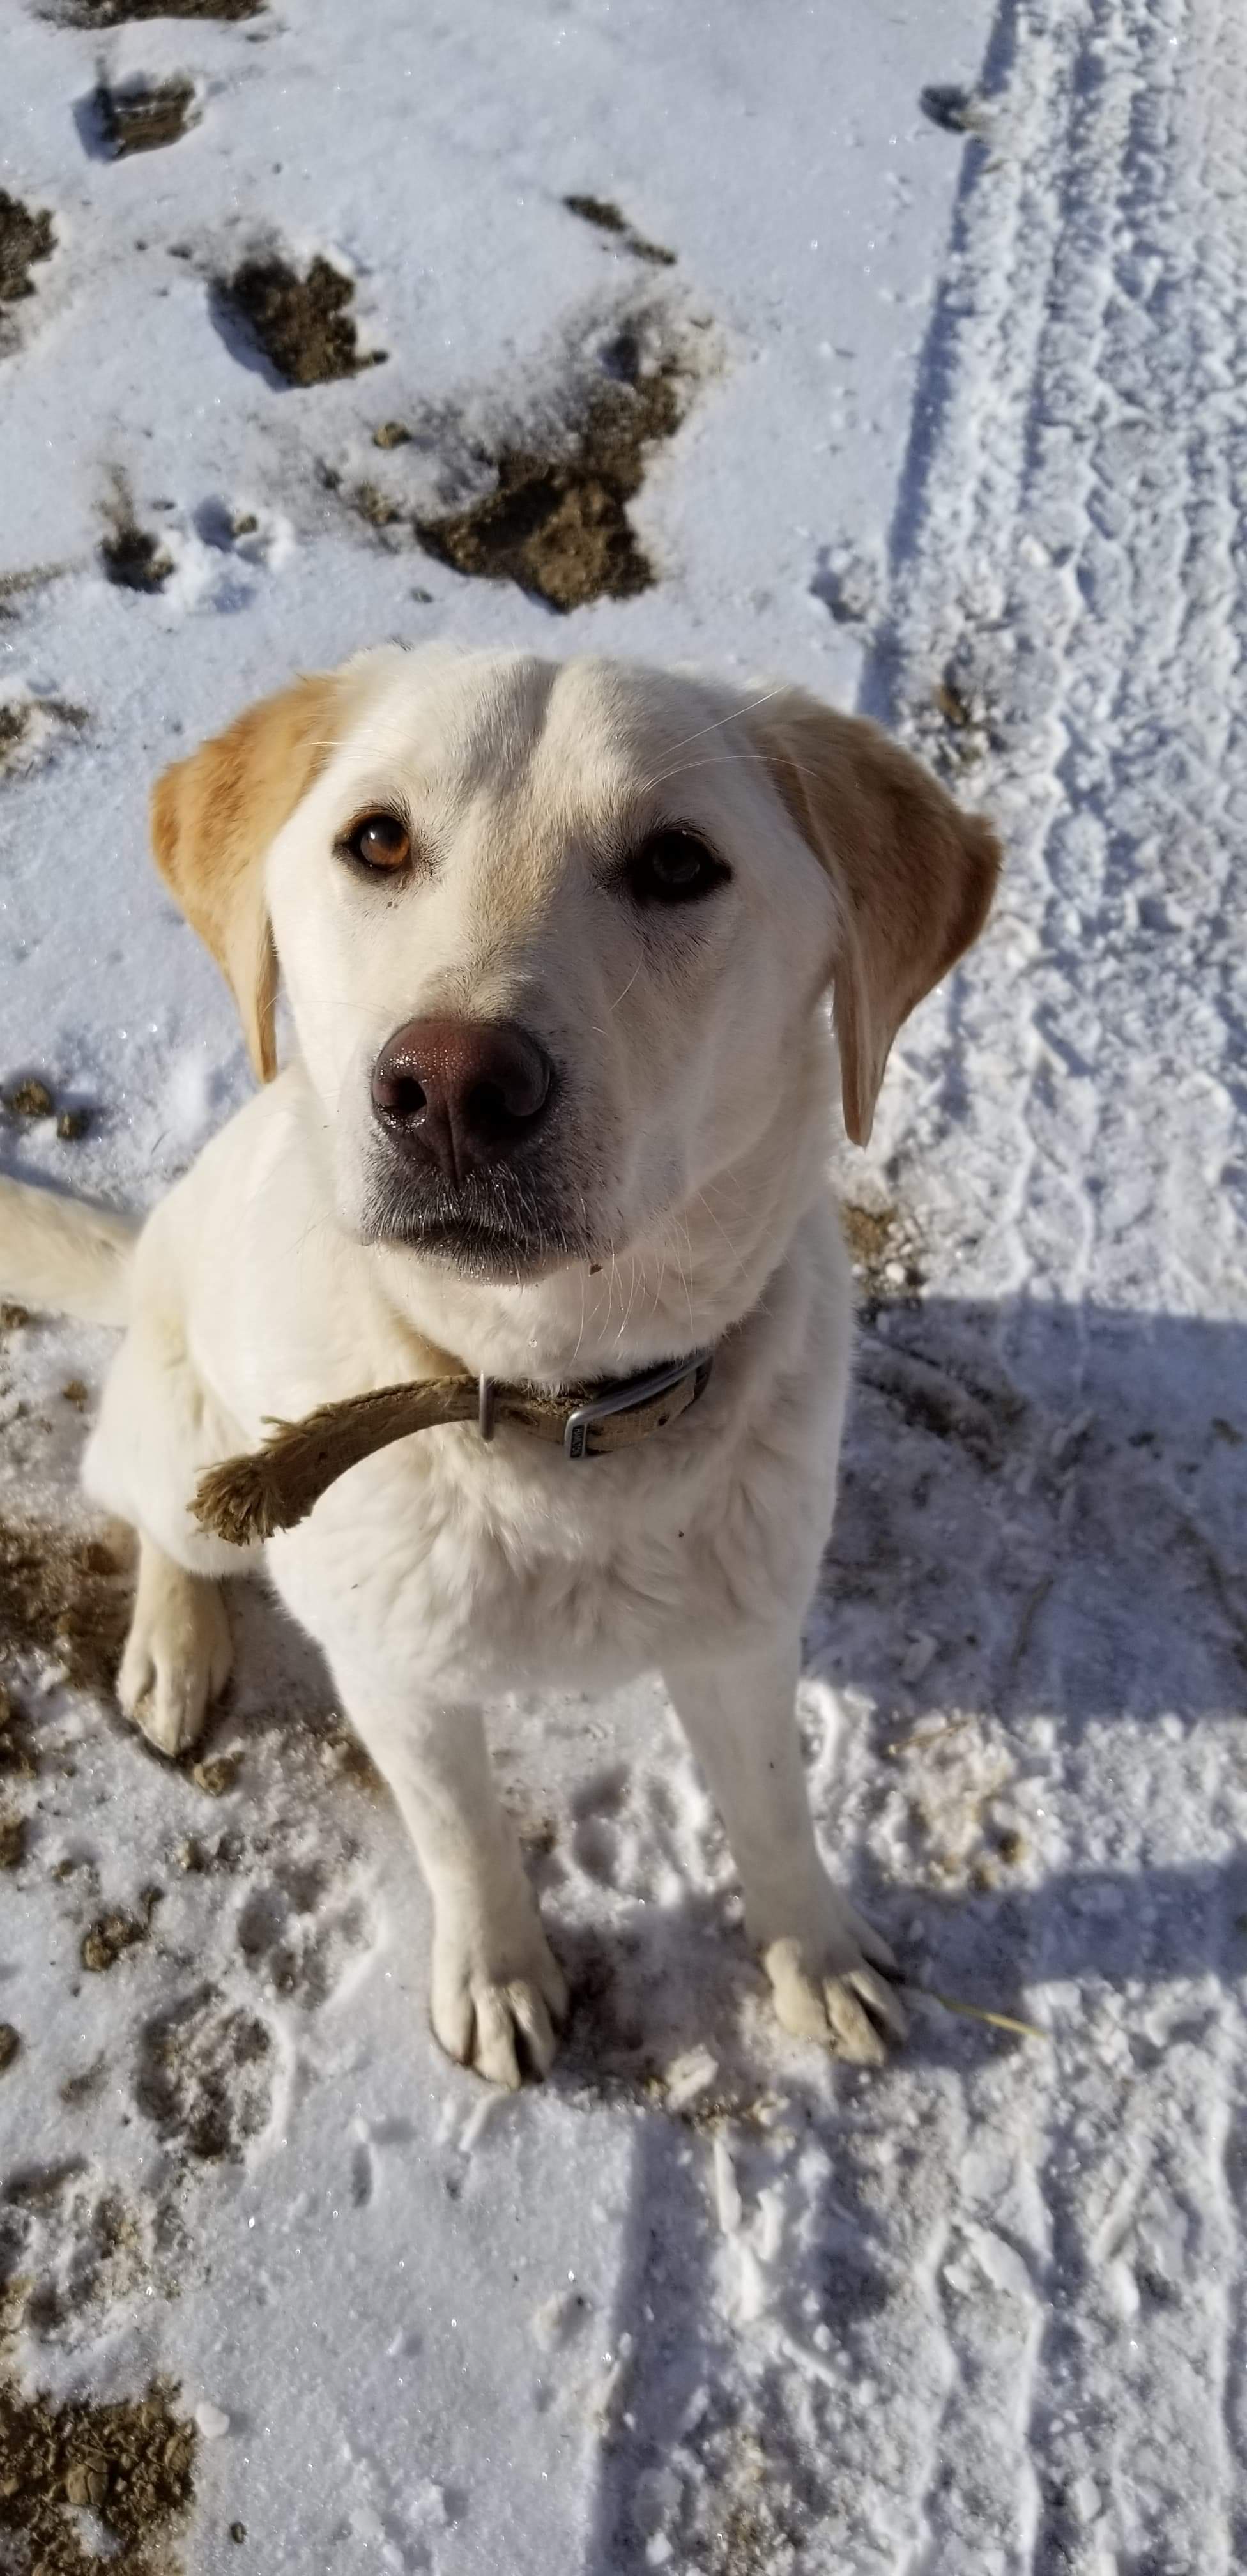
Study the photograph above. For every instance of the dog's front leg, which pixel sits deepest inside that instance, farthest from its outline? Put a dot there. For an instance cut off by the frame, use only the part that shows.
(178, 1652)
(823, 1960)
(497, 1989)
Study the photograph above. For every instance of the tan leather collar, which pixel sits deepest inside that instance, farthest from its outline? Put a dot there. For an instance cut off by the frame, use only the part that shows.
(275, 1487)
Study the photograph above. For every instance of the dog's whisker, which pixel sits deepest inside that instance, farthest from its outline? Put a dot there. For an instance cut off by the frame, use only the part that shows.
(622, 997)
(734, 715)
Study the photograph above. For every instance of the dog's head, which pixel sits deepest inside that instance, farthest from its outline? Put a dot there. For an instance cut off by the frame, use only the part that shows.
(557, 936)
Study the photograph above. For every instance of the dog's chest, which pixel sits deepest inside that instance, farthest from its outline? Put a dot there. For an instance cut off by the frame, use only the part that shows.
(474, 1573)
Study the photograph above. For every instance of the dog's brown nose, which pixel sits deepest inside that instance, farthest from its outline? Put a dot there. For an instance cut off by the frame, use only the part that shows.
(464, 1092)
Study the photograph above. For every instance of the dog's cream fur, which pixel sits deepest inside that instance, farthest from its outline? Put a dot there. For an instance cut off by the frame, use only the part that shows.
(685, 1203)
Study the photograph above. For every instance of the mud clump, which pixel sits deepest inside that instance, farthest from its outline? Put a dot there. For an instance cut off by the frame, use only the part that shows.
(303, 325)
(216, 1777)
(112, 1935)
(26, 235)
(133, 559)
(556, 524)
(132, 2463)
(375, 506)
(343, 1757)
(144, 116)
(204, 2079)
(10, 2042)
(954, 109)
(12, 1841)
(59, 1595)
(30, 1098)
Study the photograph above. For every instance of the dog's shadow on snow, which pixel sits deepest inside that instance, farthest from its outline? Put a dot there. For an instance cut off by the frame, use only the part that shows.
(1037, 1552)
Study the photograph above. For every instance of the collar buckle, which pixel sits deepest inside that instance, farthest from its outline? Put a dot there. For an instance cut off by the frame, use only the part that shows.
(630, 1393)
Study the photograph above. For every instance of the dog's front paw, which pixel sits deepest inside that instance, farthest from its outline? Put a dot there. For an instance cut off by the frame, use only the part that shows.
(177, 1658)
(830, 1983)
(498, 1996)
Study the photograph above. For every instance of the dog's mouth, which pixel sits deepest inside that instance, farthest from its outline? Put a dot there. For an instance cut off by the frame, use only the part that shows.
(494, 1226)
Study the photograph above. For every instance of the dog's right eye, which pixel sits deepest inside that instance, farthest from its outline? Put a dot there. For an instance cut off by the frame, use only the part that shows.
(379, 842)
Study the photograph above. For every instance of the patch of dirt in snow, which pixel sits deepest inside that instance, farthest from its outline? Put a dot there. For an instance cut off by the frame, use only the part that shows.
(132, 557)
(756, 2510)
(555, 520)
(605, 217)
(960, 723)
(63, 1593)
(111, 1935)
(73, 2250)
(120, 13)
(204, 2076)
(22, 585)
(30, 729)
(26, 235)
(884, 1251)
(142, 115)
(29, 1098)
(954, 108)
(18, 1759)
(82, 2482)
(303, 326)
(32, 1097)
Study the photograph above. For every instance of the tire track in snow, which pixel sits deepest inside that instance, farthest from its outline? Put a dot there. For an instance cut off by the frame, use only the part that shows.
(1064, 548)
(918, 2558)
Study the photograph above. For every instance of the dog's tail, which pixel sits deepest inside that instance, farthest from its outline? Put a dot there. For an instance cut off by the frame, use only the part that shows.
(63, 1255)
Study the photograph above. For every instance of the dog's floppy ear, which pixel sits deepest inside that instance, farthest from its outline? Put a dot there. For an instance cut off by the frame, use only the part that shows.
(913, 874)
(213, 817)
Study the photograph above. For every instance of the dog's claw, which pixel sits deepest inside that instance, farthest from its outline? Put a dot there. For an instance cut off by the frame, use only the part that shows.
(500, 2019)
(831, 1985)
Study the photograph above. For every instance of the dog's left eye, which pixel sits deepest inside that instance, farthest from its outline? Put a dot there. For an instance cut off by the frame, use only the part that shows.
(674, 866)
(378, 841)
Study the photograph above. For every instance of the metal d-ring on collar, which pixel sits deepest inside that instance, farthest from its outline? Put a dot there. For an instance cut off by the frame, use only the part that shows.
(622, 1397)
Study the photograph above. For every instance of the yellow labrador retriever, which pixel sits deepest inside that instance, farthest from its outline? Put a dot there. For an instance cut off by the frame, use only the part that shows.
(557, 940)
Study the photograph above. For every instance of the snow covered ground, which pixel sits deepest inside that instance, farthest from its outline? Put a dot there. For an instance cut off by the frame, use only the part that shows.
(965, 442)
